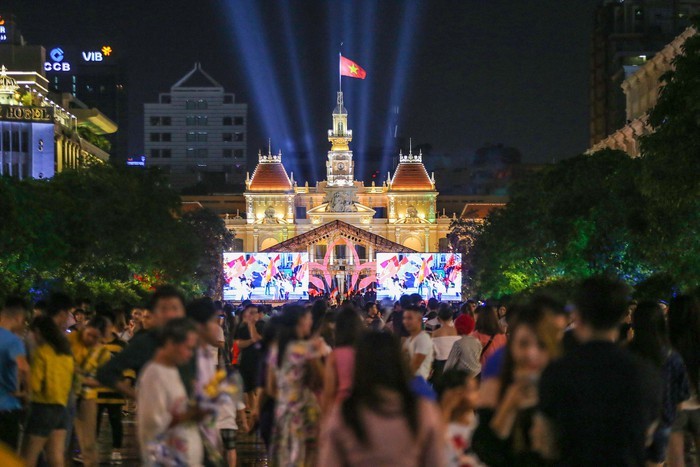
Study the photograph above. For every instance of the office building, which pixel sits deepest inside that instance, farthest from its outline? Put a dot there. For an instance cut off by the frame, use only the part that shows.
(196, 134)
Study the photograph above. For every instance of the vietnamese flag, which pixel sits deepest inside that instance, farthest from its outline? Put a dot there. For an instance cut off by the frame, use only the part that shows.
(351, 69)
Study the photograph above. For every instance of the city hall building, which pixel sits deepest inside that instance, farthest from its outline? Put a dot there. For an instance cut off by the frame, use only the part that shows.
(340, 222)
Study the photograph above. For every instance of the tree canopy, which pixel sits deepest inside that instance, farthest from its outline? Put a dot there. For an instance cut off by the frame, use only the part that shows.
(104, 232)
(637, 219)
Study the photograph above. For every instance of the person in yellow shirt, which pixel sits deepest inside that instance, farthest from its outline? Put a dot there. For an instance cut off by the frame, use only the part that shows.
(89, 355)
(50, 383)
(112, 401)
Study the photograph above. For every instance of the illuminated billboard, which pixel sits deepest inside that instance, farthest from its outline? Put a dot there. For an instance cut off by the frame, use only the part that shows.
(432, 275)
(266, 276)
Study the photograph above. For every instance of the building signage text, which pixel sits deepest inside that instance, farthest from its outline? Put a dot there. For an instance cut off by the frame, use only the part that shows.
(16, 113)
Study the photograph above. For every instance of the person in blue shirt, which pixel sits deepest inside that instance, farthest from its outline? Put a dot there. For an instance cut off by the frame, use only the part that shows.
(14, 369)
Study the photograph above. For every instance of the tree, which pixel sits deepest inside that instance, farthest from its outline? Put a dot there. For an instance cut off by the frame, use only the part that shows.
(579, 217)
(105, 232)
(670, 168)
(462, 236)
(212, 238)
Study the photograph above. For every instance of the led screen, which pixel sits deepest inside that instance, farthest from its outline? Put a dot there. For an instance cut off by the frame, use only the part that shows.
(266, 276)
(437, 275)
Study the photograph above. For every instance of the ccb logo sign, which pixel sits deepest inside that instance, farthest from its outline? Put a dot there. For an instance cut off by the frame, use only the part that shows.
(57, 64)
(56, 54)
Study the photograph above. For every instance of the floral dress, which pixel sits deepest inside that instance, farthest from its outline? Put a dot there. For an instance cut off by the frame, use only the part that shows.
(297, 412)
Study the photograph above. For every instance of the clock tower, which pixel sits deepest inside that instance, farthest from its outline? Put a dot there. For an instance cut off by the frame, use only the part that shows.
(340, 168)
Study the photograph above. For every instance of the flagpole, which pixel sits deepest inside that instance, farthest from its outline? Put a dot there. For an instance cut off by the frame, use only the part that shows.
(340, 67)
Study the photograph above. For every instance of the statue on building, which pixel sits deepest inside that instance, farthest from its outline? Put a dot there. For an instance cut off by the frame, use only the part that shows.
(341, 201)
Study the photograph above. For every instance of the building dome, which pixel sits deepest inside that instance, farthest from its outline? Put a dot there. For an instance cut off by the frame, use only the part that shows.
(410, 175)
(8, 85)
(269, 174)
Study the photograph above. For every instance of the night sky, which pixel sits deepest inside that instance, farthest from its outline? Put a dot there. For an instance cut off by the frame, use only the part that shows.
(463, 73)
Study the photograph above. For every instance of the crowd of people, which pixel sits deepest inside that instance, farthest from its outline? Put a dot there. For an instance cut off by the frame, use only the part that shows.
(602, 380)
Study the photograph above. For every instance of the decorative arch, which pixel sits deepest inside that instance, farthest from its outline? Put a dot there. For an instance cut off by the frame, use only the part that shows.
(268, 243)
(413, 243)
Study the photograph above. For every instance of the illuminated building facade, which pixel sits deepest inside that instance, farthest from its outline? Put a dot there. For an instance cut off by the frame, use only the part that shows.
(641, 89)
(196, 134)
(96, 76)
(39, 137)
(43, 133)
(627, 34)
(340, 222)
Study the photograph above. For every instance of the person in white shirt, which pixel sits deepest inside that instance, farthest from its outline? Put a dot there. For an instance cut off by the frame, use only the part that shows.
(164, 414)
(203, 313)
(418, 345)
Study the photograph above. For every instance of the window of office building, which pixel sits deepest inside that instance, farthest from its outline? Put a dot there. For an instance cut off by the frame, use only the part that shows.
(238, 154)
(239, 136)
(166, 153)
(227, 137)
(191, 136)
(202, 152)
(227, 121)
(238, 121)
(202, 136)
(155, 121)
(167, 121)
(155, 136)
(190, 152)
(202, 120)
(227, 153)
(190, 120)
(155, 153)
(165, 137)
(189, 105)
(202, 104)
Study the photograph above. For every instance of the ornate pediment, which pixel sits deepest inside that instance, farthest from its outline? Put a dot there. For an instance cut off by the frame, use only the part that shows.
(333, 229)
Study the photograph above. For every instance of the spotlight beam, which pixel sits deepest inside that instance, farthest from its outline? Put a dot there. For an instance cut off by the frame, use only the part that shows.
(301, 101)
(248, 36)
(401, 69)
(368, 34)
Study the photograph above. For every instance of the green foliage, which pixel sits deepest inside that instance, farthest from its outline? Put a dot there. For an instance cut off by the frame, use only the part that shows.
(463, 234)
(575, 219)
(97, 140)
(107, 233)
(637, 219)
(671, 164)
(211, 238)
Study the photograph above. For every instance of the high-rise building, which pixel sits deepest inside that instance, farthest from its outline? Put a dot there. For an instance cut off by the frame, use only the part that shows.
(95, 74)
(627, 34)
(196, 134)
(43, 133)
(92, 75)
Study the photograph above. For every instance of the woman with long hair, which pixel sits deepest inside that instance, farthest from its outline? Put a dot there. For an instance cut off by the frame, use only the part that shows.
(489, 331)
(382, 422)
(651, 342)
(506, 415)
(340, 364)
(684, 334)
(443, 339)
(51, 381)
(294, 366)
